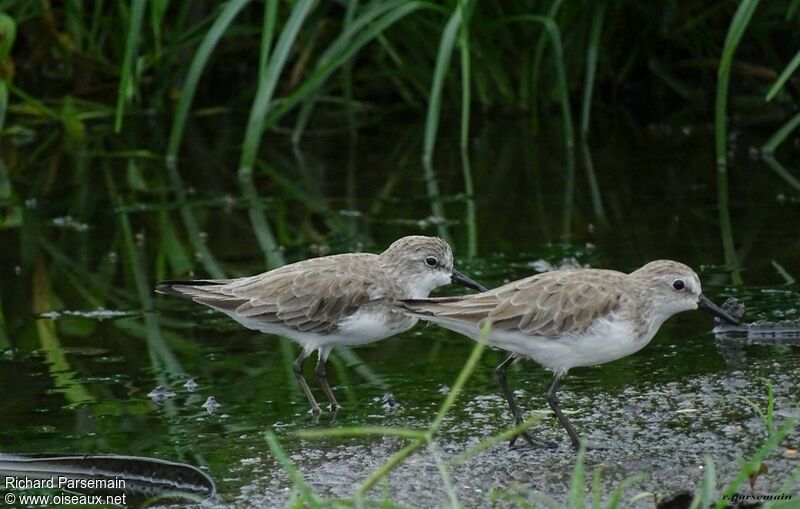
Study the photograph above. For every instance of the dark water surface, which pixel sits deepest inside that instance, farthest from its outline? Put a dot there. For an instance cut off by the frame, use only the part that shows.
(88, 227)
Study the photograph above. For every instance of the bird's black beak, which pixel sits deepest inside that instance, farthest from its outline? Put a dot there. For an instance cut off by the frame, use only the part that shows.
(460, 279)
(711, 308)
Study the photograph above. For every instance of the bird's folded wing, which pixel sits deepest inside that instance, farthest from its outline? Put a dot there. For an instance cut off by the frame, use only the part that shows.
(312, 300)
(545, 305)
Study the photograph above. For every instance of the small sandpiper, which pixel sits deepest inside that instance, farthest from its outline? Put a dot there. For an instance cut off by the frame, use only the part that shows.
(570, 318)
(345, 299)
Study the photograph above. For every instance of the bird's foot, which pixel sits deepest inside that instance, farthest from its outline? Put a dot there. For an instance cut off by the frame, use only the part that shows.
(592, 447)
(532, 441)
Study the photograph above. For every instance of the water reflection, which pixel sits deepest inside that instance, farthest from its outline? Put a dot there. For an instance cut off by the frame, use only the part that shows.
(81, 381)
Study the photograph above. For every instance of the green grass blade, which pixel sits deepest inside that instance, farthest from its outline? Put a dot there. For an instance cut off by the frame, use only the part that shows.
(784, 77)
(735, 32)
(267, 34)
(8, 33)
(705, 493)
(394, 460)
(787, 278)
(495, 439)
(591, 68)
(196, 68)
(465, 373)
(443, 58)
(752, 464)
(127, 82)
(361, 431)
(445, 475)
(294, 474)
(780, 135)
(266, 88)
(466, 169)
(3, 103)
(741, 20)
(577, 484)
(341, 57)
(782, 172)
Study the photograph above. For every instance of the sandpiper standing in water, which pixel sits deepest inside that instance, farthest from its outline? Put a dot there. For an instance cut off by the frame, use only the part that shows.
(346, 299)
(570, 318)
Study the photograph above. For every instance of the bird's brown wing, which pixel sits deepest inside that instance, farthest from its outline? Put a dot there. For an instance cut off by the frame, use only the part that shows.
(305, 297)
(544, 305)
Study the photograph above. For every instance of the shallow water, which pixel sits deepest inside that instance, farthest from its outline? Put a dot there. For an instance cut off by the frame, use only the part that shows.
(88, 230)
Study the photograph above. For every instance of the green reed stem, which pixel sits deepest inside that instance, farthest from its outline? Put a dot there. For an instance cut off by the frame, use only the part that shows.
(791, 67)
(294, 474)
(588, 90)
(342, 55)
(358, 431)
(782, 172)
(266, 87)
(394, 460)
(592, 53)
(445, 475)
(127, 83)
(465, 373)
(196, 68)
(3, 103)
(538, 55)
(578, 481)
(466, 169)
(780, 135)
(735, 32)
(443, 59)
(752, 464)
(267, 34)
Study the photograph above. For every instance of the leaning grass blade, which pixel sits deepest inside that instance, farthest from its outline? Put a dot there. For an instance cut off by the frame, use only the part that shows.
(3, 103)
(784, 77)
(4, 341)
(266, 87)
(591, 68)
(781, 171)
(267, 33)
(705, 493)
(394, 460)
(780, 135)
(577, 484)
(127, 79)
(466, 169)
(8, 32)
(495, 439)
(261, 228)
(787, 278)
(290, 468)
(342, 56)
(445, 475)
(465, 373)
(360, 431)
(443, 58)
(735, 32)
(615, 500)
(538, 55)
(752, 464)
(199, 61)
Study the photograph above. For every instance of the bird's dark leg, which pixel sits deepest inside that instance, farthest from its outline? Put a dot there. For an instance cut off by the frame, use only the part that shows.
(501, 371)
(322, 379)
(552, 399)
(297, 366)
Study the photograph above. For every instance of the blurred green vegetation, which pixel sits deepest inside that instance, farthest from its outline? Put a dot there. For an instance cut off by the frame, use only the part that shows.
(305, 64)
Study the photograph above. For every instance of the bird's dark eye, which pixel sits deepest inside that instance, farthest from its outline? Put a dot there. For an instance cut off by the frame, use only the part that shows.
(678, 284)
(431, 261)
